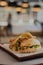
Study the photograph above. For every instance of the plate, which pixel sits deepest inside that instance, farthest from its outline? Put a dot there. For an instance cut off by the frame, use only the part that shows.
(22, 56)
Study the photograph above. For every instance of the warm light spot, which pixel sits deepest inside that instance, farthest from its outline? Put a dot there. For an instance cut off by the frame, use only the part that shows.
(3, 3)
(18, 9)
(36, 9)
(25, 4)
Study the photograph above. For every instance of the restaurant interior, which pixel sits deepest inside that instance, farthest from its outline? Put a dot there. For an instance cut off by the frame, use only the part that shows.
(19, 16)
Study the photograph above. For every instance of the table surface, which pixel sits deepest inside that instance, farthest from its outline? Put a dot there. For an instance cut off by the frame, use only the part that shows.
(5, 58)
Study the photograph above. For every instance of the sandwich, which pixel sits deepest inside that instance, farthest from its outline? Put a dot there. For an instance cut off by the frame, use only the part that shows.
(25, 43)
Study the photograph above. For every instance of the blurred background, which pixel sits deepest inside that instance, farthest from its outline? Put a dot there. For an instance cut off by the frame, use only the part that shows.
(18, 16)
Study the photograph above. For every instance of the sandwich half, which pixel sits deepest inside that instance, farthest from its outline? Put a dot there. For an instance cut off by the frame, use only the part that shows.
(25, 43)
